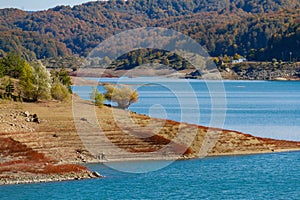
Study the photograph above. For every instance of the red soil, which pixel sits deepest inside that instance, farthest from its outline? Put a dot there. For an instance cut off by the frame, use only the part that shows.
(17, 157)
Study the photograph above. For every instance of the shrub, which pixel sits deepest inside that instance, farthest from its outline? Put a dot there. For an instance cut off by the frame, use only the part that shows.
(97, 97)
(59, 92)
(6, 85)
(26, 81)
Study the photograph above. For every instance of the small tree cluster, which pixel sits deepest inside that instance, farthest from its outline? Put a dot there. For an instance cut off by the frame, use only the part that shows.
(122, 95)
(61, 84)
(33, 80)
(62, 76)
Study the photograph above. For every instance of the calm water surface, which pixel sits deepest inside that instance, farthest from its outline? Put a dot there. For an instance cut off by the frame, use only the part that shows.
(261, 108)
(268, 176)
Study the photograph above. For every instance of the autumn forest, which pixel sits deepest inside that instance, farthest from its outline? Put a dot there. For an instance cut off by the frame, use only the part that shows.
(260, 30)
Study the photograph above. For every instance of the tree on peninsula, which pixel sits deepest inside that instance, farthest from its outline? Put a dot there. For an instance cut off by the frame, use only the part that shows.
(122, 95)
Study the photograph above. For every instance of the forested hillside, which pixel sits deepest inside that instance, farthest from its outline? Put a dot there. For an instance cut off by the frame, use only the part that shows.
(258, 29)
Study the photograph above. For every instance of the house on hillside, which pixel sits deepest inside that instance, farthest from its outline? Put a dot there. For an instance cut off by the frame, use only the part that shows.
(239, 60)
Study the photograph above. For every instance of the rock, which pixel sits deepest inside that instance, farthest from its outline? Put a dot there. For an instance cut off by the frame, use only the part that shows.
(227, 70)
(26, 114)
(31, 118)
(96, 174)
(83, 119)
(36, 120)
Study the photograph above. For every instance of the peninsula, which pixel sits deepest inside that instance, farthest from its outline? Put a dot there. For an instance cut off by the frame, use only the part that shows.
(52, 150)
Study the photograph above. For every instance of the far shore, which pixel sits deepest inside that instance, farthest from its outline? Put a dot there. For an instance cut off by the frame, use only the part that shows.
(83, 81)
(229, 71)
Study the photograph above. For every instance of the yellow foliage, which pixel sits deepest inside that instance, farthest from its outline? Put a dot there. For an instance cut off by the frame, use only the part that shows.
(122, 95)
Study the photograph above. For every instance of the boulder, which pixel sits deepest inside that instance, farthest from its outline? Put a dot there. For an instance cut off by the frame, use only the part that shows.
(96, 174)
(31, 117)
(26, 114)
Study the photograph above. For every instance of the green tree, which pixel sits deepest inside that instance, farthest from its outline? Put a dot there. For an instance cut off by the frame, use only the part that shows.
(27, 82)
(123, 96)
(97, 97)
(8, 86)
(63, 77)
(12, 65)
(1, 69)
(35, 82)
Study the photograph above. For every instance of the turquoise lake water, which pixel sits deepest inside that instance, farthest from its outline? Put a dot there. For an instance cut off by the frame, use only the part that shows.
(268, 109)
(261, 108)
(268, 176)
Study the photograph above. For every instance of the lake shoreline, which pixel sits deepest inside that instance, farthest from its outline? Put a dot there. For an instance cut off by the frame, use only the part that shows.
(57, 132)
(79, 177)
(193, 158)
(48, 179)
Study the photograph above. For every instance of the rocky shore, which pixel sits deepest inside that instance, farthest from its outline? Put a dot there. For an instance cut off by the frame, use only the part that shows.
(231, 71)
(261, 71)
(46, 178)
(54, 150)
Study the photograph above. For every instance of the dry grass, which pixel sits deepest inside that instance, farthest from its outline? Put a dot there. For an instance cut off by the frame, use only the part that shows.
(56, 140)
